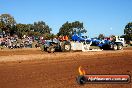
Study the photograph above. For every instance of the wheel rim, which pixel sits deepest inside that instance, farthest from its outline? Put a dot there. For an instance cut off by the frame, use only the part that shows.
(52, 49)
(120, 47)
(115, 47)
(67, 47)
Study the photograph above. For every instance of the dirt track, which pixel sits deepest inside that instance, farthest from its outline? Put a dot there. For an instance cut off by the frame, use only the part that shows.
(59, 70)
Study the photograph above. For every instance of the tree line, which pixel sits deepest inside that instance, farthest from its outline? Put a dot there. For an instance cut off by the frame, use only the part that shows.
(9, 26)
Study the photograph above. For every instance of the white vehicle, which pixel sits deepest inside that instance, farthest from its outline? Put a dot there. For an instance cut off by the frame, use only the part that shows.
(122, 40)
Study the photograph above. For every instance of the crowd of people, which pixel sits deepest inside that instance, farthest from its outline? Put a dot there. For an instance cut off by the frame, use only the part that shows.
(15, 42)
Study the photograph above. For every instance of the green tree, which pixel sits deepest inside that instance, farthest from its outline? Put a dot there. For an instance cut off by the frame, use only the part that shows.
(41, 27)
(48, 36)
(69, 28)
(7, 23)
(1, 26)
(36, 29)
(22, 29)
(101, 36)
(128, 31)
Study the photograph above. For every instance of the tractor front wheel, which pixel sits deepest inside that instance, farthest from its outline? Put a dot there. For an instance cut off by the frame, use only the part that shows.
(66, 46)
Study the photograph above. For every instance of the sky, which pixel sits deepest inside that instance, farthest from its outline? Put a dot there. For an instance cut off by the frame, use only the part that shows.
(99, 16)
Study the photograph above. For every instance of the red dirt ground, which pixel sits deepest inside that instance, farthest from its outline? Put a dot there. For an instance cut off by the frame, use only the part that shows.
(59, 70)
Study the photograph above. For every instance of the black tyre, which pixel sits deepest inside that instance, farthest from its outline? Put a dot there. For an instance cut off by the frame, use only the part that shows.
(51, 49)
(66, 46)
(119, 47)
(114, 47)
(81, 80)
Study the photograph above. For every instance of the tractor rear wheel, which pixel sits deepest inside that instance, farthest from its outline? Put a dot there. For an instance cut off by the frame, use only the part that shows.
(66, 46)
(119, 47)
